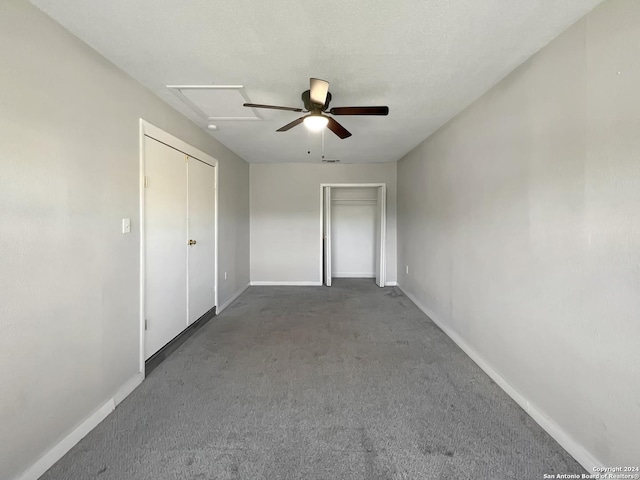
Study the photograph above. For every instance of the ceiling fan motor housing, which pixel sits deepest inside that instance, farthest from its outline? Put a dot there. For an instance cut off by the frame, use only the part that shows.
(312, 107)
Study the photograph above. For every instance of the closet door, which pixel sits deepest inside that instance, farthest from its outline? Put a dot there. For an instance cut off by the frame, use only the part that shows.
(202, 236)
(327, 236)
(165, 244)
(381, 227)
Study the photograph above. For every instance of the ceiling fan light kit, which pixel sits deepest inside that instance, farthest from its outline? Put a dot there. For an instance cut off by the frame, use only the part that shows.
(315, 123)
(316, 101)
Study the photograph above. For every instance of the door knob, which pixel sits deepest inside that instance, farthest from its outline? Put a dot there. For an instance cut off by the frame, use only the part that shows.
(192, 242)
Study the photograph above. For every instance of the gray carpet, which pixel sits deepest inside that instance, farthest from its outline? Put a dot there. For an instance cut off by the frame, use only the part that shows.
(347, 382)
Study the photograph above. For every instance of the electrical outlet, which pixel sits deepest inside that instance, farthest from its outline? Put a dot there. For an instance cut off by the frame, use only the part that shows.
(126, 225)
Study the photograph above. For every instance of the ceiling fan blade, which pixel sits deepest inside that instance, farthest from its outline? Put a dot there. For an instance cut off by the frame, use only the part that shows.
(273, 107)
(318, 91)
(359, 111)
(338, 129)
(289, 126)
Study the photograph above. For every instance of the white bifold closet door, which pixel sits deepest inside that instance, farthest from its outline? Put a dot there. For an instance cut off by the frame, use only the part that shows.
(380, 233)
(201, 225)
(179, 200)
(327, 236)
(165, 199)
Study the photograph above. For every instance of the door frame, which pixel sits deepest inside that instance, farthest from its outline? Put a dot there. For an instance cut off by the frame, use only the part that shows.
(383, 230)
(147, 129)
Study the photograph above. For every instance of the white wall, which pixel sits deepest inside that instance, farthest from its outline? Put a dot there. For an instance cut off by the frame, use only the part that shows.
(519, 221)
(69, 280)
(353, 232)
(286, 235)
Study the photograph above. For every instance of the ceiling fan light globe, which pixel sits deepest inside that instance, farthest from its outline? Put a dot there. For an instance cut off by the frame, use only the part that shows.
(315, 123)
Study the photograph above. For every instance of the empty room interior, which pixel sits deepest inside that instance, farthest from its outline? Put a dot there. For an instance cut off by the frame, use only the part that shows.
(319, 240)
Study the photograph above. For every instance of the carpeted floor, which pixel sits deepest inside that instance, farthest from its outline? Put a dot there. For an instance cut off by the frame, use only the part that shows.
(347, 382)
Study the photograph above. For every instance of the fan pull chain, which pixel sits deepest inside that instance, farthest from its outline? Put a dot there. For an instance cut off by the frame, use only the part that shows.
(308, 142)
(323, 144)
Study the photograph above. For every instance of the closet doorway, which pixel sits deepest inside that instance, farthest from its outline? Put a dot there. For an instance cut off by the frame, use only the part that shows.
(353, 231)
(178, 237)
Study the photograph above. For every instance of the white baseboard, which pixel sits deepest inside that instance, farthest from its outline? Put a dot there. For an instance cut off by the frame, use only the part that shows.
(285, 284)
(232, 299)
(575, 449)
(391, 284)
(353, 275)
(56, 452)
(125, 390)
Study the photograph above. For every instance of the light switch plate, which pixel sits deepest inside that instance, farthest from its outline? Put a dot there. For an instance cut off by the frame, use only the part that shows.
(126, 225)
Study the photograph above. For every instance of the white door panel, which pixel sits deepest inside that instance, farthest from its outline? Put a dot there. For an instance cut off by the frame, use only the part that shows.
(381, 226)
(165, 200)
(327, 236)
(201, 224)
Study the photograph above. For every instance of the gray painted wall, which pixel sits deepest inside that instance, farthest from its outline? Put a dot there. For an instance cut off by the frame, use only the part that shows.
(69, 278)
(519, 221)
(285, 216)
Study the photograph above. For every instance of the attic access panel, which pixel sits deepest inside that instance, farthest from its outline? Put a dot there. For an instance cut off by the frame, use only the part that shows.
(216, 102)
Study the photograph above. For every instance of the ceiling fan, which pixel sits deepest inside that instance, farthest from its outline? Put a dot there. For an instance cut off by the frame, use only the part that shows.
(316, 102)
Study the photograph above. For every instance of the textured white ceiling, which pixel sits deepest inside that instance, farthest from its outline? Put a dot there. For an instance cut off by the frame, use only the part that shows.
(426, 60)
(215, 103)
